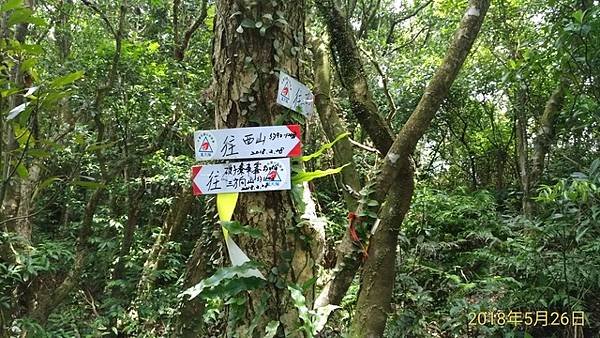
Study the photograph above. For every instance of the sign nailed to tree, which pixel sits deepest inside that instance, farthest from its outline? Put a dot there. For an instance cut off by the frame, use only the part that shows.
(248, 143)
(294, 95)
(244, 176)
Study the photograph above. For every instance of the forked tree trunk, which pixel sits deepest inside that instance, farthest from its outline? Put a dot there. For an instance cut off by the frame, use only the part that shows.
(377, 284)
(246, 64)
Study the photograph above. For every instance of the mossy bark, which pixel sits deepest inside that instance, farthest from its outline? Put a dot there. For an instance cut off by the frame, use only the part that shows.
(246, 65)
(378, 273)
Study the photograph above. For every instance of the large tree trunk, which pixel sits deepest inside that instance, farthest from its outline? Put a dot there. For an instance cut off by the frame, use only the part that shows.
(245, 88)
(343, 47)
(334, 290)
(378, 276)
(332, 123)
(546, 131)
(346, 54)
(403, 146)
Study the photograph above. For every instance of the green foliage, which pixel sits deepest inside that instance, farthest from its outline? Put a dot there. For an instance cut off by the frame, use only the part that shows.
(465, 246)
(308, 176)
(227, 282)
(236, 228)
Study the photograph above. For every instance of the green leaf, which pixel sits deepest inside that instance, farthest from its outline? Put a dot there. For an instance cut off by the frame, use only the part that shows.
(308, 176)
(9, 92)
(578, 16)
(236, 228)
(45, 184)
(220, 276)
(271, 329)
(24, 15)
(247, 23)
(10, 4)
(67, 79)
(373, 203)
(324, 147)
(89, 184)
(22, 171)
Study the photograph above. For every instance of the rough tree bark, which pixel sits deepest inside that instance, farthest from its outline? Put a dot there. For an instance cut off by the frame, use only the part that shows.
(522, 146)
(246, 62)
(343, 47)
(345, 52)
(379, 271)
(332, 123)
(199, 266)
(546, 131)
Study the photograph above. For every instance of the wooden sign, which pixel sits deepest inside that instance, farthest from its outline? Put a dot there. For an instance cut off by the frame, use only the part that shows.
(243, 176)
(248, 143)
(294, 95)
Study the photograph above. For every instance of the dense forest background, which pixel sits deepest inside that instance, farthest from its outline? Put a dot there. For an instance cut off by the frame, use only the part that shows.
(471, 139)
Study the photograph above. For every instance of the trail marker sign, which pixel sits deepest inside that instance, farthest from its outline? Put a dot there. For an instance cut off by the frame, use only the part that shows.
(243, 176)
(294, 95)
(248, 143)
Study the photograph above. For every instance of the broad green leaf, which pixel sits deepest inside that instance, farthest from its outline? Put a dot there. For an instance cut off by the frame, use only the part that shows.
(271, 329)
(220, 276)
(22, 171)
(67, 79)
(247, 23)
(324, 147)
(89, 184)
(24, 15)
(45, 184)
(308, 176)
(10, 4)
(9, 92)
(578, 16)
(236, 228)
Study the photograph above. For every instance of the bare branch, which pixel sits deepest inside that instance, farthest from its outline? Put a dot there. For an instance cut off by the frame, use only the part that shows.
(102, 15)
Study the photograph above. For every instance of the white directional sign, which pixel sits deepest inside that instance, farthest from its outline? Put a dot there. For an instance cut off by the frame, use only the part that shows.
(243, 176)
(294, 95)
(248, 143)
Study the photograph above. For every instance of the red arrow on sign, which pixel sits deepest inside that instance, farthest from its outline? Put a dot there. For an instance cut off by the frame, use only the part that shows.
(195, 188)
(248, 143)
(297, 150)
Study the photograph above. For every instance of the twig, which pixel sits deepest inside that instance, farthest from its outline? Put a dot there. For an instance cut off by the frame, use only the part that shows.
(389, 38)
(362, 146)
(103, 16)
(384, 80)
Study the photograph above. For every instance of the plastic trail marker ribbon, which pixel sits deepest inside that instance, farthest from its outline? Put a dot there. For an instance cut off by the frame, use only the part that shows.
(225, 206)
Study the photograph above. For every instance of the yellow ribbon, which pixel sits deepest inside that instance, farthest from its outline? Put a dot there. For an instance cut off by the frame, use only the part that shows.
(226, 203)
(225, 206)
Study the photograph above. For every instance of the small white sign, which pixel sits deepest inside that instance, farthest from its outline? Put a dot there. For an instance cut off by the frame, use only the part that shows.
(245, 176)
(294, 95)
(248, 143)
